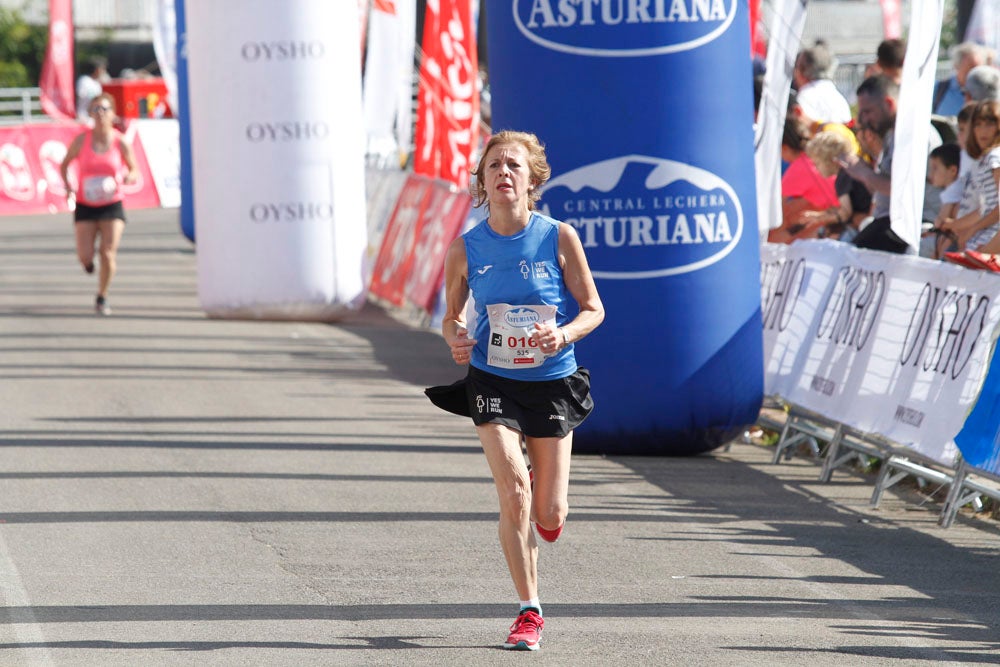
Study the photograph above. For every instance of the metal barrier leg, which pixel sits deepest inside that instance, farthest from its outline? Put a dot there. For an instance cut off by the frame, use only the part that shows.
(951, 503)
(884, 481)
(782, 443)
(830, 460)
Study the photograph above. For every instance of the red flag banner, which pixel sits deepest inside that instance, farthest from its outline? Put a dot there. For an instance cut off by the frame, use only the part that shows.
(758, 44)
(892, 18)
(448, 106)
(56, 82)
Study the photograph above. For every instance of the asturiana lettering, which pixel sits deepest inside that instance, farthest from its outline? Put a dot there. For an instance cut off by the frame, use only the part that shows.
(569, 13)
(521, 318)
(642, 230)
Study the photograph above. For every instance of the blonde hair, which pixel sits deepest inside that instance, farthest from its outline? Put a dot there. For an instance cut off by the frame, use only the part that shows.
(538, 165)
(827, 146)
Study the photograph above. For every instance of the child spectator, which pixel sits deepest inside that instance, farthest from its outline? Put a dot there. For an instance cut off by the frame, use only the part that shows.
(942, 172)
(968, 197)
(977, 230)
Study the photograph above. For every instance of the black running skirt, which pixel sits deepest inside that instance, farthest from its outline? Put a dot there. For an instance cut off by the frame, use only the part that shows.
(84, 213)
(542, 409)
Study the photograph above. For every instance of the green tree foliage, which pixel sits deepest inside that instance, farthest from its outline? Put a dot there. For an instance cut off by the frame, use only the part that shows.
(949, 29)
(22, 50)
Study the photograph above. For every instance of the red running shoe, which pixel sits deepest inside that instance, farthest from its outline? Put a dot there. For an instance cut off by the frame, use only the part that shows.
(549, 535)
(544, 533)
(526, 632)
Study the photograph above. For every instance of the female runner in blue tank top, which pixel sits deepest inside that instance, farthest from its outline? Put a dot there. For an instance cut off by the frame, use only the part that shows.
(534, 296)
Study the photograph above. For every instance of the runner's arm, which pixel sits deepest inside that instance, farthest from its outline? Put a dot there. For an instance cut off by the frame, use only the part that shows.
(72, 152)
(128, 155)
(580, 283)
(456, 292)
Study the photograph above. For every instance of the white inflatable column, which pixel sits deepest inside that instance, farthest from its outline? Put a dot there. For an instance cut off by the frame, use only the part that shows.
(277, 150)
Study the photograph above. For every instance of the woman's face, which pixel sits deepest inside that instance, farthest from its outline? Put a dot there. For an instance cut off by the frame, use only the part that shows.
(101, 111)
(508, 177)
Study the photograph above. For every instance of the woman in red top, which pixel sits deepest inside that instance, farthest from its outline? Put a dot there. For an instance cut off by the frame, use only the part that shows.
(103, 154)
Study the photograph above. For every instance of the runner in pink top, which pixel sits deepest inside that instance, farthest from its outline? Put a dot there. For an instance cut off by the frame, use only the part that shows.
(102, 156)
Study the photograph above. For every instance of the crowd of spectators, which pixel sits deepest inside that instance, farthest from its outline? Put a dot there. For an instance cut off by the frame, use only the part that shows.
(837, 164)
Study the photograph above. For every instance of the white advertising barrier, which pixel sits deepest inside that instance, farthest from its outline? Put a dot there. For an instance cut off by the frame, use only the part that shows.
(382, 188)
(161, 139)
(886, 344)
(277, 148)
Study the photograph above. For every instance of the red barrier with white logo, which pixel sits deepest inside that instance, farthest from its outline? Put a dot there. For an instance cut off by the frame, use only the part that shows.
(30, 182)
(444, 215)
(410, 264)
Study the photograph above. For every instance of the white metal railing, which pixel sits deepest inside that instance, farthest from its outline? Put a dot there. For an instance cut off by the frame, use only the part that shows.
(114, 13)
(20, 105)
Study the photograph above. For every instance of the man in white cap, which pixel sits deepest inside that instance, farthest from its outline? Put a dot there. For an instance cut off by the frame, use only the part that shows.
(816, 94)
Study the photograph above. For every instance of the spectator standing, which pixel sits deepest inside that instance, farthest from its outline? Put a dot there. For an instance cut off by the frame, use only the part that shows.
(889, 58)
(816, 94)
(89, 85)
(949, 95)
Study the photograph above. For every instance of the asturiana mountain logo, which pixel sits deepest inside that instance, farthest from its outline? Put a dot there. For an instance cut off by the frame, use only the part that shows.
(647, 217)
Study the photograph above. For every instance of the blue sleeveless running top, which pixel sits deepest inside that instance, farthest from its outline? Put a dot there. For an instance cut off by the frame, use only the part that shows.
(522, 269)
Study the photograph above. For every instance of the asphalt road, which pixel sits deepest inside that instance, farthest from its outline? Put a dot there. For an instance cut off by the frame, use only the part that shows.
(176, 490)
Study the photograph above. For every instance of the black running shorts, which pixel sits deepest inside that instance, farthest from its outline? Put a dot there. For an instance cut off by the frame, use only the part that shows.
(84, 213)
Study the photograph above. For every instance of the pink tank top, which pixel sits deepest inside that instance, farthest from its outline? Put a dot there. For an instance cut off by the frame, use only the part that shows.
(100, 173)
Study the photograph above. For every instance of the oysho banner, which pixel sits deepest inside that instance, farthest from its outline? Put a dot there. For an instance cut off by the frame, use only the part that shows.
(277, 145)
(886, 344)
(657, 176)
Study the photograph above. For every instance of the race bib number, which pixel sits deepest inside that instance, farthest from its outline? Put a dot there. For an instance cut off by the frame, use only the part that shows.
(100, 189)
(512, 344)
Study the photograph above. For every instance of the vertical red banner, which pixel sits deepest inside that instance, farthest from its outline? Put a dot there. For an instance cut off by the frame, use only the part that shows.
(758, 45)
(58, 99)
(447, 130)
(892, 18)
